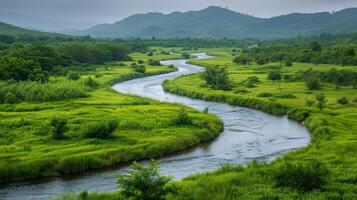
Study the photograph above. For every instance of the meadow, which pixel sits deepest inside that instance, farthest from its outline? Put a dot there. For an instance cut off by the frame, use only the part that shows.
(333, 130)
(141, 128)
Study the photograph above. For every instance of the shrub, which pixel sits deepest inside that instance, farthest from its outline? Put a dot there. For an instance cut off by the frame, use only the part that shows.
(145, 183)
(182, 118)
(186, 55)
(10, 98)
(150, 54)
(313, 83)
(309, 102)
(154, 62)
(250, 82)
(140, 62)
(244, 60)
(101, 130)
(217, 77)
(301, 176)
(90, 82)
(321, 101)
(139, 69)
(59, 127)
(73, 76)
(343, 100)
(274, 75)
(354, 83)
(288, 63)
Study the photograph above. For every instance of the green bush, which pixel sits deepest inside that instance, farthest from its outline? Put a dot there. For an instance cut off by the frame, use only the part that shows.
(90, 82)
(305, 176)
(343, 100)
(321, 100)
(288, 63)
(59, 127)
(309, 102)
(139, 69)
(73, 76)
(182, 118)
(145, 183)
(10, 98)
(101, 130)
(154, 62)
(274, 75)
(217, 77)
(313, 83)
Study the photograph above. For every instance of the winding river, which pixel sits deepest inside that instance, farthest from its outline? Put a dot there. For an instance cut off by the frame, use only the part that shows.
(248, 135)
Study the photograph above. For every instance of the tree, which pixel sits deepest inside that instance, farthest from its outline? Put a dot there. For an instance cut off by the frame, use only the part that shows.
(343, 100)
(139, 68)
(274, 75)
(73, 76)
(217, 77)
(186, 55)
(59, 127)
(90, 82)
(288, 63)
(243, 60)
(315, 46)
(11, 98)
(182, 118)
(313, 83)
(261, 61)
(145, 183)
(321, 100)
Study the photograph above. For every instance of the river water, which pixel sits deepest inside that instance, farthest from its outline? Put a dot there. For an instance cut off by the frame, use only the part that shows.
(248, 135)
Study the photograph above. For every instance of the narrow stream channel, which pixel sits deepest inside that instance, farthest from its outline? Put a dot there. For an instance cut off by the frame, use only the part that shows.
(248, 135)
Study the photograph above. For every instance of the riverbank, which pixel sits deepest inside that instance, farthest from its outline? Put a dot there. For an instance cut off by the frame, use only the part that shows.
(145, 127)
(333, 133)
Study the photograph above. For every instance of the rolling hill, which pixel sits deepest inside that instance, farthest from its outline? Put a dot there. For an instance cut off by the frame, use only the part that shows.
(7, 29)
(217, 22)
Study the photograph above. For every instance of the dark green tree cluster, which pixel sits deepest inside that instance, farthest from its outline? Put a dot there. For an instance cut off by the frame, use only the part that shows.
(33, 62)
(341, 53)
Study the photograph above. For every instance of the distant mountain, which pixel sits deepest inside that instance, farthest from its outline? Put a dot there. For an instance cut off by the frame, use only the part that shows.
(7, 29)
(216, 22)
(42, 24)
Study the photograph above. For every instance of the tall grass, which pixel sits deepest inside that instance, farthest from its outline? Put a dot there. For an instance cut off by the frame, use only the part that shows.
(36, 92)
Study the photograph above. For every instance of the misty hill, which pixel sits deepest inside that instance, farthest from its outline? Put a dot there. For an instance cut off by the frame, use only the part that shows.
(42, 24)
(216, 22)
(7, 29)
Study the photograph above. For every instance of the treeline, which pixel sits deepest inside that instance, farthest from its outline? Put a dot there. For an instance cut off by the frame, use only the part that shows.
(340, 53)
(33, 62)
(191, 42)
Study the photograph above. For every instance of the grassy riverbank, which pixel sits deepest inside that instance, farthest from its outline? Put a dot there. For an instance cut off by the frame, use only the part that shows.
(333, 130)
(145, 127)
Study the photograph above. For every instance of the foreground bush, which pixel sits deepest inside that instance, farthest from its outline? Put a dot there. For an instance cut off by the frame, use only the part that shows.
(145, 183)
(182, 119)
(302, 176)
(101, 130)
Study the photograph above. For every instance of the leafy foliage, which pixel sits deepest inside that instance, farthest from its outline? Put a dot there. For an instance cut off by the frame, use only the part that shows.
(217, 77)
(101, 130)
(59, 127)
(145, 183)
(305, 176)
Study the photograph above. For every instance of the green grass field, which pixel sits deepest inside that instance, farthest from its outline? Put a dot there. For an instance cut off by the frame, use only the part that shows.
(333, 130)
(145, 129)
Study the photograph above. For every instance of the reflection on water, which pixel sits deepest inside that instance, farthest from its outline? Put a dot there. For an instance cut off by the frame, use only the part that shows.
(248, 135)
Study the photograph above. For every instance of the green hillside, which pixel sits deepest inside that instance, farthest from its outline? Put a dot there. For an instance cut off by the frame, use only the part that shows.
(216, 22)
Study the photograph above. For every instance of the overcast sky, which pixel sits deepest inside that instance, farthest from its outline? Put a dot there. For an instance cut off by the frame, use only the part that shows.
(100, 11)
